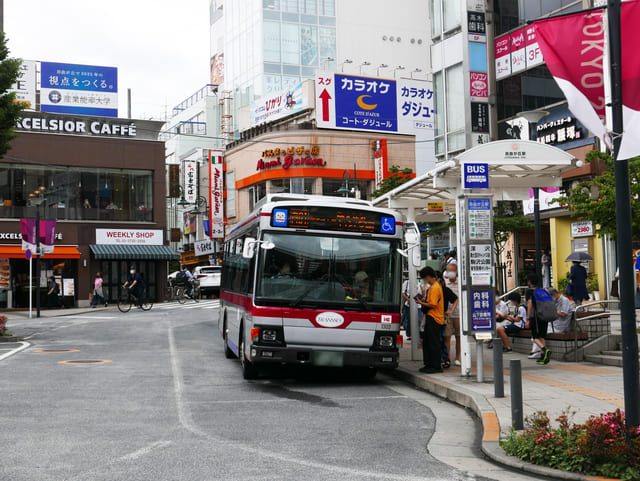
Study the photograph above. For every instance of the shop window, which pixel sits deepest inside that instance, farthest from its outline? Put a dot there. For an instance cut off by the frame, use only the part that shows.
(297, 185)
(72, 193)
(332, 186)
(256, 193)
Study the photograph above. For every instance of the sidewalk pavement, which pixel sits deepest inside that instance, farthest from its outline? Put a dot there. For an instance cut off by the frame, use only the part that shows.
(589, 389)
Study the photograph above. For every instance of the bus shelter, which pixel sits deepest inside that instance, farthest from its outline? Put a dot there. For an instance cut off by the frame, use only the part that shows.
(500, 170)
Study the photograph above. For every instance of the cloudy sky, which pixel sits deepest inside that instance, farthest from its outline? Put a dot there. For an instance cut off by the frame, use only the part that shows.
(160, 47)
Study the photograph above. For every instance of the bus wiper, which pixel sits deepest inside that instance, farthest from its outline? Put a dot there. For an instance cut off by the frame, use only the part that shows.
(304, 294)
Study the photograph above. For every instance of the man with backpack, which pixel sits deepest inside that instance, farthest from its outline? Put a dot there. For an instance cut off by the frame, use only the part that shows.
(541, 310)
(185, 278)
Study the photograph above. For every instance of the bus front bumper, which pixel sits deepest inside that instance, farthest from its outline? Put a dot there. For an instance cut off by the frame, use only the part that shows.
(324, 357)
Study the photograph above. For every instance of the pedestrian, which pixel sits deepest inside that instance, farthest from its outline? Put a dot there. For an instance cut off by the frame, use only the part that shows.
(514, 323)
(546, 269)
(538, 325)
(564, 310)
(433, 308)
(452, 313)
(52, 292)
(98, 294)
(578, 281)
(502, 310)
(405, 320)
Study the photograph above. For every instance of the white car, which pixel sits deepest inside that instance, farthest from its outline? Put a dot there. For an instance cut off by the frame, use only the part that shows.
(209, 277)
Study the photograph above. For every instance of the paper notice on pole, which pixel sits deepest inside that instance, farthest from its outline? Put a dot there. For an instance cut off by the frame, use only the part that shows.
(480, 264)
(479, 214)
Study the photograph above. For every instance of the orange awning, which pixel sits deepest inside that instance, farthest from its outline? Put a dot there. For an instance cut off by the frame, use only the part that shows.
(59, 252)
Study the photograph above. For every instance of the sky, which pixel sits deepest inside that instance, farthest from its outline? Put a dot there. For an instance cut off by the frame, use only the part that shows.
(160, 47)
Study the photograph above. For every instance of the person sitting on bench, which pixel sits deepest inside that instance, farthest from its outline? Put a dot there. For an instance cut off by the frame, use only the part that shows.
(517, 321)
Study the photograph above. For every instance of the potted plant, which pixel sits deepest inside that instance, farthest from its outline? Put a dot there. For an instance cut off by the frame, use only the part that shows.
(593, 287)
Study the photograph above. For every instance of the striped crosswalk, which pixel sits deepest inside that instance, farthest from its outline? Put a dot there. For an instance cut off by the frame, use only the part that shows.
(202, 304)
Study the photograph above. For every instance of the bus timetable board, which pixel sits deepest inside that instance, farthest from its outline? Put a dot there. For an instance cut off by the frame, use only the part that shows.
(333, 219)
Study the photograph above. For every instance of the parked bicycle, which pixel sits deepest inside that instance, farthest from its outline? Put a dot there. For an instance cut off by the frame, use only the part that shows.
(128, 299)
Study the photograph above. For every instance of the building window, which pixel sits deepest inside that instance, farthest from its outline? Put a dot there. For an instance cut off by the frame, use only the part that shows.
(308, 6)
(436, 18)
(332, 186)
(272, 84)
(290, 6)
(327, 8)
(256, 193)
(327, 45)
(309, 45)
(452, 14)
(291, 43)
(296, 185)
(231, 194)
(272, 42)
(271, 4)
(289, 83)
(75, 193)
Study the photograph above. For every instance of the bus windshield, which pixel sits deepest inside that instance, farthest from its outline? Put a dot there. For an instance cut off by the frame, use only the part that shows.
(317, 271)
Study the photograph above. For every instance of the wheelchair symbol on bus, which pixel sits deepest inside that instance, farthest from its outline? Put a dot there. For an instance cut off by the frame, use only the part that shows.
(387, 225)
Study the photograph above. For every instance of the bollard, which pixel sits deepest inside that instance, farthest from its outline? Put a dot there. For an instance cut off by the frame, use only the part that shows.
(498, 374)
(479, 361)
(515, 378)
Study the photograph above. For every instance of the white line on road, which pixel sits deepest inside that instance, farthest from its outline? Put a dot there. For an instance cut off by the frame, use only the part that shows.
(146, 450)
(16, 350)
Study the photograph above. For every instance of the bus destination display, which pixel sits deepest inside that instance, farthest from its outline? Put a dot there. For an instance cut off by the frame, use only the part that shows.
(327, 218)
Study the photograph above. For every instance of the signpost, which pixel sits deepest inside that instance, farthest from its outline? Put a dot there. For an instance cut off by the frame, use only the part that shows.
(28, 255)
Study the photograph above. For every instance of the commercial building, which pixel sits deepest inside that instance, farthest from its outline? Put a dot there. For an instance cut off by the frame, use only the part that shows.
(103, 181)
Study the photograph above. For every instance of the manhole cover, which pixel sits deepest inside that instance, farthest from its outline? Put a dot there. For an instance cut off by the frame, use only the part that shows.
(85, 361)
(53, 351)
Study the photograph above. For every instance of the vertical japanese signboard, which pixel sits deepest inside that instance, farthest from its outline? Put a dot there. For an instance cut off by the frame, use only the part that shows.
(174, 180)
(479, 86)
(78, 89)
(503, 57)
(518, 51)
(25, 86)
(482, 310)
(216, 194)
(534, 55)
(190, 182)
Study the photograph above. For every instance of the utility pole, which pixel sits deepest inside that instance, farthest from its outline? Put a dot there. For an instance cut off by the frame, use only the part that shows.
(630, 366)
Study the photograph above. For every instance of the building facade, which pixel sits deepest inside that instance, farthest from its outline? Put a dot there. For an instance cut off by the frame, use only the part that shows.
(103, 181)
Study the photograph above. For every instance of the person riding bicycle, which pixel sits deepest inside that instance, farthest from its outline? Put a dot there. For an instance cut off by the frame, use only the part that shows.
(185, 278)
(135, 282)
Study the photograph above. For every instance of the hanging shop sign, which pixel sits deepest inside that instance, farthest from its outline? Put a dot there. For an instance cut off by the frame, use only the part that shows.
(190, 182)
(216, 194)
(582, 228)
(129, 237)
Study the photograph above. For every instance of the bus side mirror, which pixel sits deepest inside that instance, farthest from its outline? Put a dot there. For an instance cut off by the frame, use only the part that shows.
(249, 248)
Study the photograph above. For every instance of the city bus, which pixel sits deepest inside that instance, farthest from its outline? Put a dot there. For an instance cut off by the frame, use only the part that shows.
(313, 280)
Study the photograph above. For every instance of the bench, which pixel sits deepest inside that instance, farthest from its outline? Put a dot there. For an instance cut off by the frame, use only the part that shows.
(590, 325)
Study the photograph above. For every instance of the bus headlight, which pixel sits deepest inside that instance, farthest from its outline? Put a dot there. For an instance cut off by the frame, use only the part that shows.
(269, 335)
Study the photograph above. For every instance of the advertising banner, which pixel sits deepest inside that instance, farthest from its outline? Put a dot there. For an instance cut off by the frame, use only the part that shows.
(129, 237)
(47, 235)
(503, 57)
(518, 51)
(479, 86)
(190, 187)
(277, 106)
(25, 86)
(216, 194)
(534, 55)
(204, 247)
(374, 104)
(79, 89)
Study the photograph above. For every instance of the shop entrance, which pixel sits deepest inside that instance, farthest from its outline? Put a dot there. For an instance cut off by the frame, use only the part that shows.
(65, 273)
(115, 273)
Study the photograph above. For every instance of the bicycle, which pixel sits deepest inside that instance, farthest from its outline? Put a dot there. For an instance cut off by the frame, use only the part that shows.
(184, 292)
(128, 299)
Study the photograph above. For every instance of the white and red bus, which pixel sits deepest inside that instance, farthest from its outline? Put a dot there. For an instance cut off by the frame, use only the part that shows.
(313, 280)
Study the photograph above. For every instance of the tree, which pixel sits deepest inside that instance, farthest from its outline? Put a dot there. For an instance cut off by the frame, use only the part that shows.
(596, 198)
(10, 110)
(508, 218)
(396, 177)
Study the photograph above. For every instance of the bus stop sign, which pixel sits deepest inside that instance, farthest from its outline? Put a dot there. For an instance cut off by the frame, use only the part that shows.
(27, 254)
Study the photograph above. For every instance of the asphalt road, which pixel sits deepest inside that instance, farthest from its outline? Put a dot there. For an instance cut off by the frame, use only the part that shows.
(167, 405)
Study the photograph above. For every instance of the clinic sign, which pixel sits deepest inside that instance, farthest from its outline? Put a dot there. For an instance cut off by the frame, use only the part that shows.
(353, 102)
(78, 89)
(129, 237)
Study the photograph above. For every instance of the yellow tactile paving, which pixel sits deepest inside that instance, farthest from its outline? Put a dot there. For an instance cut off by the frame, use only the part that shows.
(610, 398)
(583, 369)
(491, 427)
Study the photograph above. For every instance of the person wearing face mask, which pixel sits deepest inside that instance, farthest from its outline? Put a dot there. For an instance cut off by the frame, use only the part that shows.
(136, 284)
(453, 314)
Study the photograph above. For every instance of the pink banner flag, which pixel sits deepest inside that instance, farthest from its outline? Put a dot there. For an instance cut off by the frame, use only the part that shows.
(573, 48)
(47, 235)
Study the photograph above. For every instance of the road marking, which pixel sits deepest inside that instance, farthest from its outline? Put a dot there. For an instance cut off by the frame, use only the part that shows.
(80, 362)
(260, 401)
(146, 450)
(16, 350)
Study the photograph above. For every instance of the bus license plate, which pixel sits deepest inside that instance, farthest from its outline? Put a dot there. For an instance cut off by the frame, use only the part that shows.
(328, 358)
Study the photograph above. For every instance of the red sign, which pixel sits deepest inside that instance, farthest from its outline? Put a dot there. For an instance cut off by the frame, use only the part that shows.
(479, 83)
(503, 57)
(518, 52)
(534, 55)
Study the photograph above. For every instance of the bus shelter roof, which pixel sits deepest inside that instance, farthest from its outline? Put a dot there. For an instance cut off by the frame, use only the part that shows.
(515, 166)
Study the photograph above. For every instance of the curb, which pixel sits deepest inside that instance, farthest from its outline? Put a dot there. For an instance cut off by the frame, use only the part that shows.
(479, 404)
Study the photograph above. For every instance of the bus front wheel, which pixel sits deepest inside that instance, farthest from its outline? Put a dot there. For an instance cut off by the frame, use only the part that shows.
(228, 353)
(249, 370)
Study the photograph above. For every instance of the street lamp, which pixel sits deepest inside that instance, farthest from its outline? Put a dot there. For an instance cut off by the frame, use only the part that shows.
(326, 62)
(417, 70)
(382, 65)
(37, 201)
(200, 202)
(399, 67)
(534, 116)
(364, 64)
(346, 60)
